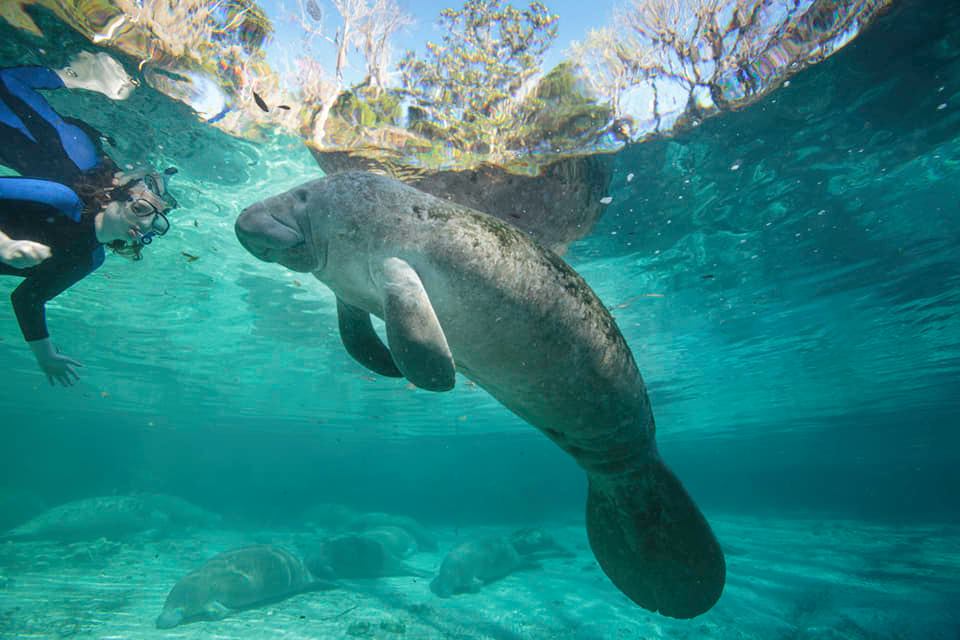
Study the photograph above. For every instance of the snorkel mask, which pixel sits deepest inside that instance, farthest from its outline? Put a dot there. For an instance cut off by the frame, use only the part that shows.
(149, 198)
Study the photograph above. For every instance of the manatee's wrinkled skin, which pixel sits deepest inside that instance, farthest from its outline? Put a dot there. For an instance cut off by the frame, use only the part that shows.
(534, 541)
(461, 291)
(112, 517)
(236, 580)
(469, 566)
(557, 206)
(356, 556)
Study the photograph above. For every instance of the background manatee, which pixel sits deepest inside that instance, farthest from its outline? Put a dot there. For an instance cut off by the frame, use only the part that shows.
(357, 555)
(110, 517)
(426, 541)
(235, 580)
(470, 565)
(113, 517)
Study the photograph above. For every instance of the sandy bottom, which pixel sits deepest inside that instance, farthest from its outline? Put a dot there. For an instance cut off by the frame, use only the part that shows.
(787, 579)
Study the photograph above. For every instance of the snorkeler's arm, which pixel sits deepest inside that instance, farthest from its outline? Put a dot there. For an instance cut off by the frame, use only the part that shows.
(29, 305)
(48, 281)
(58, 367)
(22, 254)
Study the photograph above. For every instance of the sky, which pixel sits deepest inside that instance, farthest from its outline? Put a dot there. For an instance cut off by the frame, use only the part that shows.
(576, 18)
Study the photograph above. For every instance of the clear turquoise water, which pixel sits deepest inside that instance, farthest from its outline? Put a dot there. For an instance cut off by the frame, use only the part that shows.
(788, 277)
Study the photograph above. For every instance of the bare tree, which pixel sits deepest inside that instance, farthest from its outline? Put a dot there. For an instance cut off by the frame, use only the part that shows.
(608, 65)
(726, 53)
(317, 90)
(322, 91)
(683, 40)
(383, 19)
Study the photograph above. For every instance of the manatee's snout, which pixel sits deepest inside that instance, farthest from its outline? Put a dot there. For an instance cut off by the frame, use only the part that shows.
(266, 234)
(170, 618)
(272, 231)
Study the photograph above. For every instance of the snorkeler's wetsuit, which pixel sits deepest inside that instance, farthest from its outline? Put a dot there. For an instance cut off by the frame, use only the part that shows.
(50, 152)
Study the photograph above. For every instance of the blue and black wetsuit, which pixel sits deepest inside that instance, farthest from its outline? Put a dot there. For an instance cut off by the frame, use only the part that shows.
(51, 153)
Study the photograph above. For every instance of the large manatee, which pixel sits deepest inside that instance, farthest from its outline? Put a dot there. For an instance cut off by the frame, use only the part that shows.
(459, 290)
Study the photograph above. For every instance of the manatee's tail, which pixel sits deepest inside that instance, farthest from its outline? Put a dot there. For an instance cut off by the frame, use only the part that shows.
(653, 543)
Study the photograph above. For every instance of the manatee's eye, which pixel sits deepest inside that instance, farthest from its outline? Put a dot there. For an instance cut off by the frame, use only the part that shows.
(301, 195)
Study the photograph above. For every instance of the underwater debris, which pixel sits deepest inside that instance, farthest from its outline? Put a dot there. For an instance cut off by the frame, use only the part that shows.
(189, 256)
(260, 102)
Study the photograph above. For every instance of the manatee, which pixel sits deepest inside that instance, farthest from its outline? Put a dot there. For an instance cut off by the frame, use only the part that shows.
(469, 566)
(425, 540)
(234, 580)
(396, 540)
(357, 555)
(459, 290)
(533, 541)
(112, 517)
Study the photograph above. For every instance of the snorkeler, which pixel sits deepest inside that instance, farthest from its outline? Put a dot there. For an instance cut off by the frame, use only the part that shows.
(70, 199)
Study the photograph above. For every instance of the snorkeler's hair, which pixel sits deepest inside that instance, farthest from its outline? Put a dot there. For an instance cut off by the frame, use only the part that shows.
(96, 189)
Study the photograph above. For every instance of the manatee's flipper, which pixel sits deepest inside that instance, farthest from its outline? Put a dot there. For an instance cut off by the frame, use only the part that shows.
(362, 342)
(170, 618)
(216, 610)
(653, 543)
(413, 332)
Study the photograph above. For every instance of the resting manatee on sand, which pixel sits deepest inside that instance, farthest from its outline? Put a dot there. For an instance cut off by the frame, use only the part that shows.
(358, 555)
(112, 517)
(471, 565)
(235, 580)
(461, 290)
(375, 519)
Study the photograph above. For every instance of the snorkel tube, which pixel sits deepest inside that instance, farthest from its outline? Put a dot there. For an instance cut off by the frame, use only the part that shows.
(143, 239)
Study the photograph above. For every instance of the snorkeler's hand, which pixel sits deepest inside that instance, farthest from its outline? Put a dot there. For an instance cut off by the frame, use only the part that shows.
(97, 72)
(58, 367)
(21, 254)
